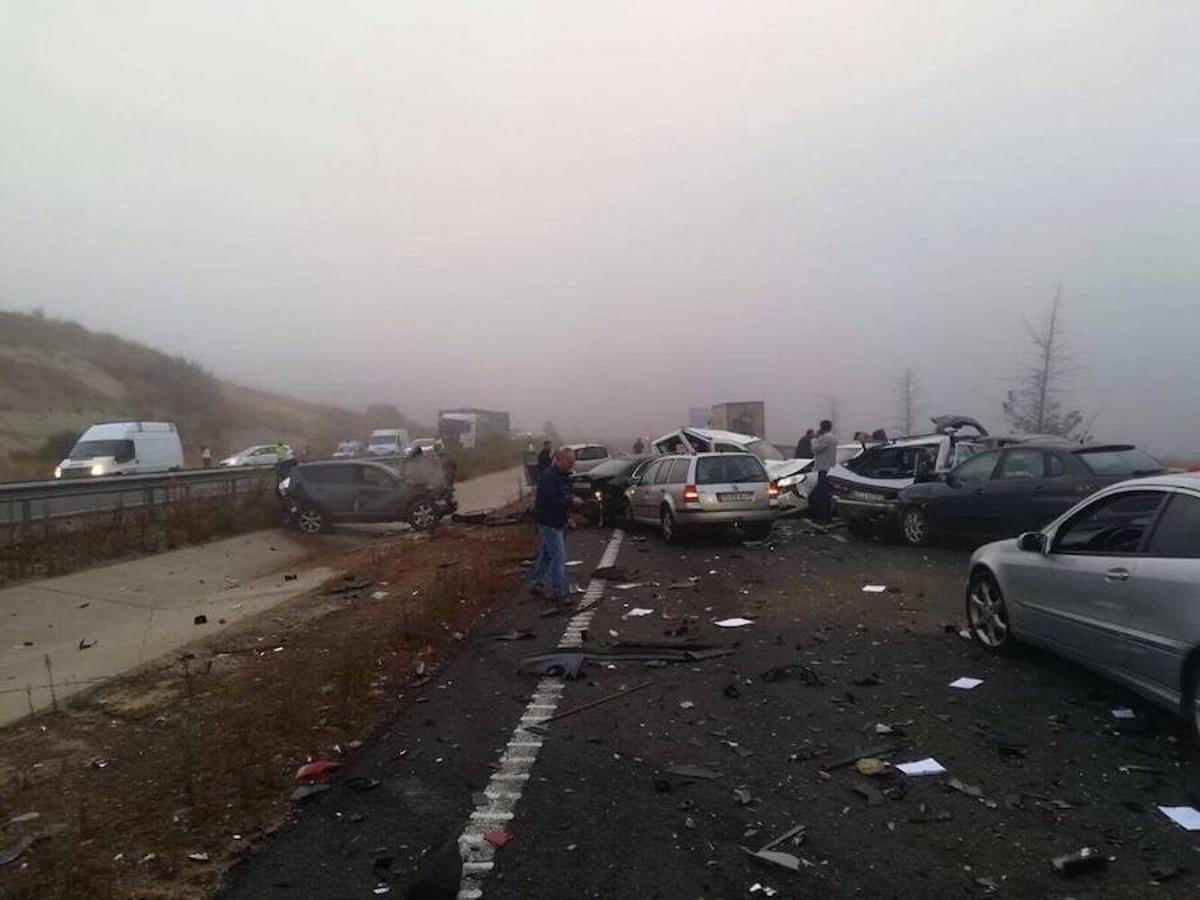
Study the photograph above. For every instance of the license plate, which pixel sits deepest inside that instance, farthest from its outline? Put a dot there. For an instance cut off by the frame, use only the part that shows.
(864, 495)
(739, 497)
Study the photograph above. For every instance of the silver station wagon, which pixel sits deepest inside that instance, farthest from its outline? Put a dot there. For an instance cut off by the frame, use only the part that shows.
(705, 491)
(1113, 583)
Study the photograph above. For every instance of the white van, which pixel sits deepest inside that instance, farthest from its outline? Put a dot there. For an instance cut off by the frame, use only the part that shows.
(124, 448)
(387, 442)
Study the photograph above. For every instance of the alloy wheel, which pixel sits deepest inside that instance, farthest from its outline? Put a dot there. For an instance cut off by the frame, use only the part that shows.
(423, 515)
(915, 527)
(986, 613)
(310, 521)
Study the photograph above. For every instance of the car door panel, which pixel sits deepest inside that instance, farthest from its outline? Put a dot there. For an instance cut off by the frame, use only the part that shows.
(1164, 619)
(960, 501)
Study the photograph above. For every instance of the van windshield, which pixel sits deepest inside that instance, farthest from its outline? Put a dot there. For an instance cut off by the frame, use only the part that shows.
(121, 451)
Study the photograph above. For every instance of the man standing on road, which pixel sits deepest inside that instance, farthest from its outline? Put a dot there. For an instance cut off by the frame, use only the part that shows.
(804, 446)
(824, 448)
(550, 510)
(543, 459)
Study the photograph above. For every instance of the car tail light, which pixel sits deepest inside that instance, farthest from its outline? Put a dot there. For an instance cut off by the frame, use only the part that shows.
(772, 491)
(690, 494)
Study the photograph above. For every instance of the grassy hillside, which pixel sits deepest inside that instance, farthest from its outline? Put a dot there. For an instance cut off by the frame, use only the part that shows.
(57, 377)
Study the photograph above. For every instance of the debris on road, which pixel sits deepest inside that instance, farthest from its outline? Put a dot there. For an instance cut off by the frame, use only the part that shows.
(198, 857)
(874, 588)
(806, 673)
(1123, 712)
(963, 788)
(966, 683)
(15, 852)
(85, 644)
(877, 750)
(1186, 817)
(305, 791)
(378, 595)
(637, 612)
(200, 620)
(630, 585)
(499, 837)
(926, 766)
(873, 767)
(565, 663)
(571, 563)
(682, 585)
(316, 771)
(736, 622)
(1078, 863)
(541, 726)
(516, 634)
(610, 573)
(693, 773)
(350, 584)
(775, 858)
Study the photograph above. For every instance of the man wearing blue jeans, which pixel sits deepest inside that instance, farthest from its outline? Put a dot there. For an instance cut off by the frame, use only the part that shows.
(550, 509)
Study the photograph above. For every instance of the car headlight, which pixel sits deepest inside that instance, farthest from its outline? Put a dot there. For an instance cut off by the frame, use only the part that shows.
(58, 471)
(599, 495)
(97, 469)
(792, 480)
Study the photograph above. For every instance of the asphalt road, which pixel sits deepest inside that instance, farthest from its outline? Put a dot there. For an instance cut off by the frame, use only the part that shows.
(1043, 769)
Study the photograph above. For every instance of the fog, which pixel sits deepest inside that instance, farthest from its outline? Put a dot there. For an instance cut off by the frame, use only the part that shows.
(605, 213)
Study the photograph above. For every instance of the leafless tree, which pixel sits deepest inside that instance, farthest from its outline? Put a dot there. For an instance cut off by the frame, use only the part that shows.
(1035, 405)
(908, 399)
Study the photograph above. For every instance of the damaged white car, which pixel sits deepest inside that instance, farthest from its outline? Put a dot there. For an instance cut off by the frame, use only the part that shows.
(794, 478)
(866, 488)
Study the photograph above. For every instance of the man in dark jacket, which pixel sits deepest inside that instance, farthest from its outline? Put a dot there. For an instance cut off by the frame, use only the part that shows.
(550, 511)
(804, 446)
(544, 458)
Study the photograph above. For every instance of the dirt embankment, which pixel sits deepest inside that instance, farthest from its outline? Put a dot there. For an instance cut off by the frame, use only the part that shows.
(150, 785)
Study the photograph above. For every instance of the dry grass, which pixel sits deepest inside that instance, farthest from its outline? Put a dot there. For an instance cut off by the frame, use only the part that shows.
(199, 749)
(58, 546)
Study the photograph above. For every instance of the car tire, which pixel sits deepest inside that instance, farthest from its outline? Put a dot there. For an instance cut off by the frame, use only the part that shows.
(914, 527)
(987, 614)
(311, 520)
(1190, 707)
(423, 514)
(666, 521)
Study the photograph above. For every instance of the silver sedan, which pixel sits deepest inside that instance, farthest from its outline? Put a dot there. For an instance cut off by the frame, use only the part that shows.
(1113, 583)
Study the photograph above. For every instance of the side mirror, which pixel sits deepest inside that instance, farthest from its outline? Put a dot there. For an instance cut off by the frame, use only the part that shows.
(1032, 542)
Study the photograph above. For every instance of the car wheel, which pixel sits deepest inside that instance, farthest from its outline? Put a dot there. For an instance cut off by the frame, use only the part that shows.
(914, 527)
(666, 520)
(987, 616)
(1191, 701)
(310, 521)
(423, 515)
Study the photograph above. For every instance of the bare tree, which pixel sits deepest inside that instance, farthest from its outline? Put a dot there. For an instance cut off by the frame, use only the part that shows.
(908, 399)
(1035, 405)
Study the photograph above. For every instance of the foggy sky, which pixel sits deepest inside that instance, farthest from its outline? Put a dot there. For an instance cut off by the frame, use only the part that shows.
(604, 213)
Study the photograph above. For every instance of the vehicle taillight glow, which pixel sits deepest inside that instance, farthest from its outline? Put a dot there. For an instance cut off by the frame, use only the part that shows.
(772, 491)
(690, 494)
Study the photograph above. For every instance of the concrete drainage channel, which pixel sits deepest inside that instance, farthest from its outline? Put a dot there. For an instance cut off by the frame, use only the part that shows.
(504, 789)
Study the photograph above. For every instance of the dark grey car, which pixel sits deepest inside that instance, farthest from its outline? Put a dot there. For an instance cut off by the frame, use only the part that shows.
(317, 495)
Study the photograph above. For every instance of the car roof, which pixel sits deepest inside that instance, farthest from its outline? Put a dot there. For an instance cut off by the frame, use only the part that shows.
(712, 434)
(1188, 480)
(581, 446)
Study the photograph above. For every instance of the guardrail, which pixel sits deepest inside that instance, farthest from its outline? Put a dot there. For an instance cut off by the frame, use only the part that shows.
(34, 501)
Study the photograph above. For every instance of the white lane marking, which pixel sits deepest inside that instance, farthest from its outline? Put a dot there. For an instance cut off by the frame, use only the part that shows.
(520, 753)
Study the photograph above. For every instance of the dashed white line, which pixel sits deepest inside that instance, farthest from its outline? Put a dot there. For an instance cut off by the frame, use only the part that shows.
(520, 753)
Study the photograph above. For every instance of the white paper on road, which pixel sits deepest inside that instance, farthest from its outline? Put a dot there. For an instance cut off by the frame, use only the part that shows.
(637, 611)
(874, 588)
(629, 585)
(379, 595)
(965, 683)
(574, 562)
(1123, 712)
(734, 623)
(1185, 816)
(926, 766)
